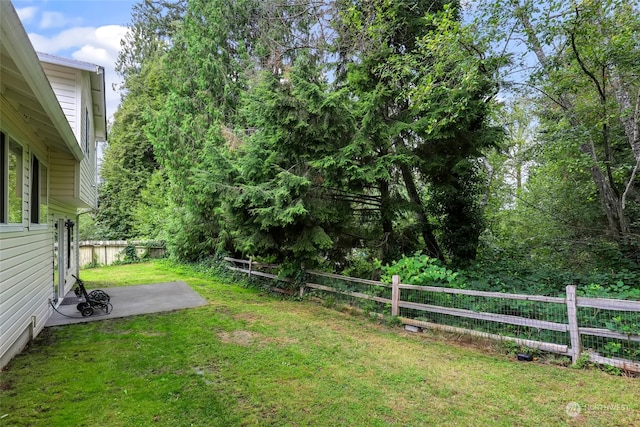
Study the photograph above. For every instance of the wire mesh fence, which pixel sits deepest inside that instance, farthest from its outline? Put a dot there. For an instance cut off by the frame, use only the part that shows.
(610, 333)
(607, 330)
(368, 296)
(530, 320)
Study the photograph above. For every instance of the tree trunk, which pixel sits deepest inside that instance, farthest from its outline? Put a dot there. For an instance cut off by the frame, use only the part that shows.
(386, 219)
(609, 196)
(431, 245)
(612, 200)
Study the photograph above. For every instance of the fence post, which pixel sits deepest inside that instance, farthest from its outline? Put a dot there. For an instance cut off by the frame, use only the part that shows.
(395, 295)
(250, 265)
(574, 332)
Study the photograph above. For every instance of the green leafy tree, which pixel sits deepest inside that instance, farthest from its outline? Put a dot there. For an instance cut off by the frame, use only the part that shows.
(424, 91)
(128, 164)
(205, 70)
(284, 206)
(269, 148)
(129, 160)
(585, 82)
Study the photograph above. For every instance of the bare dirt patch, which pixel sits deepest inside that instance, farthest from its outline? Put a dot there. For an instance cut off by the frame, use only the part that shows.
(250, 318)
(244, 338)
(247, 338)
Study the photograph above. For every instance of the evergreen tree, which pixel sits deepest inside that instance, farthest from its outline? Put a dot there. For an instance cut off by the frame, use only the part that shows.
(129, 159)
(424, 91)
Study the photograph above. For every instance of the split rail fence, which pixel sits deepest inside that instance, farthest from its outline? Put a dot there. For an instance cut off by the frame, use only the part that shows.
(606, 331)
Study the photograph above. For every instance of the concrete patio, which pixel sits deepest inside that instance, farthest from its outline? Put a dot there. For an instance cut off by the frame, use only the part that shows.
(131, 301)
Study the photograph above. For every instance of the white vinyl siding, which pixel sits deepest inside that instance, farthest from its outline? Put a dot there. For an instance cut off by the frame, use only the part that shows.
(66, 181)
(62, 177)
(73, 90)
(27, 271)
(65, 84)
(88, 190)
(26, 250)
(27, 280)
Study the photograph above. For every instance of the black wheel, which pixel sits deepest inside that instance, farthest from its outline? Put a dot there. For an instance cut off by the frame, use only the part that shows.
(108, 308)
(87, 311)
(81, 306)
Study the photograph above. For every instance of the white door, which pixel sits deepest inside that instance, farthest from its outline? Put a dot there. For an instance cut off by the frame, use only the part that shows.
(58, 259)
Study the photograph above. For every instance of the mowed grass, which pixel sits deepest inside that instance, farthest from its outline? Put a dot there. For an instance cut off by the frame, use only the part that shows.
(249, 358)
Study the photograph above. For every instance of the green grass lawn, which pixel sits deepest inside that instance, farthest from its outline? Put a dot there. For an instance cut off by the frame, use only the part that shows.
(249, 358)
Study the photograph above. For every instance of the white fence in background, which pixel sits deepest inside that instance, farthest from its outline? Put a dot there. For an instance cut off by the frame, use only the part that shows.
(109, 251)
(574, 322)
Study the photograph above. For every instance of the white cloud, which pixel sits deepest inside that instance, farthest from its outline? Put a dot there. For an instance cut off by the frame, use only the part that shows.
(26, 14)
(99, 46)
(57, 20)
(111, 35)
(93, 54)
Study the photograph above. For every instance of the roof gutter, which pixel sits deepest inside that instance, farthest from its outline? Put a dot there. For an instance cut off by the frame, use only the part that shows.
(70, 63)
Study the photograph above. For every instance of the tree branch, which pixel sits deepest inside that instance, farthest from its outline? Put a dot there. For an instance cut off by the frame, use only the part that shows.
(630, 184)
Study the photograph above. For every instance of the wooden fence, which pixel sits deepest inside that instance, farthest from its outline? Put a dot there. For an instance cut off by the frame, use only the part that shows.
(569, 307)
(110, 251)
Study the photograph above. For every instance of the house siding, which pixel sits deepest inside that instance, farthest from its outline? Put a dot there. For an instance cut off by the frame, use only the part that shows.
(62, 176)
(33, 112)
(65, 83)
(27, 250)
(27, 282)
(70, 179)
(25, 255)
(88, 190)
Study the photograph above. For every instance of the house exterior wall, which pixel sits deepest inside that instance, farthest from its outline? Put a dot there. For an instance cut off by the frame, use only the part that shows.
(87, 179)
(65, 84)
(72, 181)
(26, 249)
(27, 259)
(38, 259)
(62, 176)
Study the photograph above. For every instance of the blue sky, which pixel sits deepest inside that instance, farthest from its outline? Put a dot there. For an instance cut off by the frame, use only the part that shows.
(85, 30)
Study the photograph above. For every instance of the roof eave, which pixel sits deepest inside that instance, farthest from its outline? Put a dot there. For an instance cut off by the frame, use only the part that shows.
(17, 43)
(99, 86)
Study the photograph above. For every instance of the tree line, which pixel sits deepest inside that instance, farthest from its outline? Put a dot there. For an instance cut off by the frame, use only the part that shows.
(333, 133)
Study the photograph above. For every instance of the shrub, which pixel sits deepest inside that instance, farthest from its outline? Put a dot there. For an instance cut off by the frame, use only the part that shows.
(421, 270)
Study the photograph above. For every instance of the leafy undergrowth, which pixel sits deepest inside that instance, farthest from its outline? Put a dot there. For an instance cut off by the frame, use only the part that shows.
(252, 359)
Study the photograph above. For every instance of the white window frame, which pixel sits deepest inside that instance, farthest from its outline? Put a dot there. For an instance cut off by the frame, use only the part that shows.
(5, 146)
(87, 132)
(38, 189)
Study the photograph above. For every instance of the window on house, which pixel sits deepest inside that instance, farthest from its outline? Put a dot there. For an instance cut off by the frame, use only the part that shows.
(87, 124)
(3, 179)
(38, 204)
(44, 194)
(10, 181)
(70, 241)
(35, 191)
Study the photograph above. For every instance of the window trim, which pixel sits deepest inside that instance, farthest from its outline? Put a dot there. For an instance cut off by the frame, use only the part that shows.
(44, 194)
(34, 191)
(5, 148)
(86, 130)
(37, 181)
(4, 178)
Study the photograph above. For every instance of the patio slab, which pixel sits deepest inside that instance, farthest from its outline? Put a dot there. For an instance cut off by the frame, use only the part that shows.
(131, 301)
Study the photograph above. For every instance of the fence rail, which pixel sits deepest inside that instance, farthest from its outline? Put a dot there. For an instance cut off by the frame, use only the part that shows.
(573, 322)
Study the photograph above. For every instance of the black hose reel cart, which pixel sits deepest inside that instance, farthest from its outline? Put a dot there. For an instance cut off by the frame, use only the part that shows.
(93, 300)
